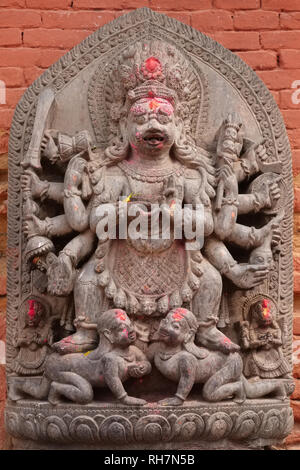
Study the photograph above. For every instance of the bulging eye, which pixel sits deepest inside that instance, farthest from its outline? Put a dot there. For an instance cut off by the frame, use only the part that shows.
(163, 119)
(140, 119)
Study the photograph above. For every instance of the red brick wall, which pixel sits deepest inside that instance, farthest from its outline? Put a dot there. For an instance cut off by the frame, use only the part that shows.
(265, 33)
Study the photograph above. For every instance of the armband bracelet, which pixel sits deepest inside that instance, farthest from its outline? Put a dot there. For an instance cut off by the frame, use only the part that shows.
(230, 202)
(72, 192)
(252, 237)
(227, 267)
(45, 193)
(122, 396)
(70, 254)
(179, 396)
(257, 203)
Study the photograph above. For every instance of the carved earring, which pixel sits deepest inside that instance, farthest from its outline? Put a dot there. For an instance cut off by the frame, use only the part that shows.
(108, 336)
(189, 337)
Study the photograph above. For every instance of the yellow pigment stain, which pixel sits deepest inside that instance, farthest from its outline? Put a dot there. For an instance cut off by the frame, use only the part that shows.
(87, 353)
(128, 198)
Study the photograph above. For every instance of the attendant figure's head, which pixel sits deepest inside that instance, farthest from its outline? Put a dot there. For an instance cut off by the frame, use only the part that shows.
(115, 327)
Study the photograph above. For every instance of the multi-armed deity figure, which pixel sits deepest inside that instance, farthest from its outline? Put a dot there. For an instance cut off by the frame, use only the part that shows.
(151, 157)
(151, 160)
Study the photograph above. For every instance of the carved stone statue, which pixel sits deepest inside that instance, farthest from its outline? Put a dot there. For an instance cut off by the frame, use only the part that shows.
(33, 337)
(179, 359)
(152, 147)
(150, 199)
(262, 339)
(75, 375)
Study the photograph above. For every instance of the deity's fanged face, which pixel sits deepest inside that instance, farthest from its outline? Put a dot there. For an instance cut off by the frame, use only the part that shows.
(151, 125)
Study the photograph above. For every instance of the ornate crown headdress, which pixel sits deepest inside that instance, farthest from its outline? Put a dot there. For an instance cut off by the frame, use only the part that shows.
(155, 69)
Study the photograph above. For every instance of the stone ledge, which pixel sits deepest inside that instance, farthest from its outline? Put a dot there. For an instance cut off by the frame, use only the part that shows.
(254, 424)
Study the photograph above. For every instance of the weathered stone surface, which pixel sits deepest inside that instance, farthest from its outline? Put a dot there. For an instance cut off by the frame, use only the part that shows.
(146, 315)
(154, 427)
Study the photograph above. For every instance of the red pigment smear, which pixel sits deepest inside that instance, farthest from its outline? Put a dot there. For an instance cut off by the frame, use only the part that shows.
(68, 339)
(266, 308)
(121, 315)
(154, 104)
(31, 312)
(226, 340)
(125, 332)
(152, 64)
(138, 109)
(179, 313)
(265, 303)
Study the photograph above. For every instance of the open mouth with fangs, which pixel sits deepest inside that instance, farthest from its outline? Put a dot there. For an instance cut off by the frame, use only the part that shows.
(154, 138)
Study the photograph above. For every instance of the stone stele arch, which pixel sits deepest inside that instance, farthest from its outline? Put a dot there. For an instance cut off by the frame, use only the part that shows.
(217, 91)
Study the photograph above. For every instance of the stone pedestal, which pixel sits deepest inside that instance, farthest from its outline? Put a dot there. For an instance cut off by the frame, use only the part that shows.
(196, 425)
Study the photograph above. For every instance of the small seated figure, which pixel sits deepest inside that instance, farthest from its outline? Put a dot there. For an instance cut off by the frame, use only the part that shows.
(75, 375)
(33, 336)
(180, 360)
(261, 339)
